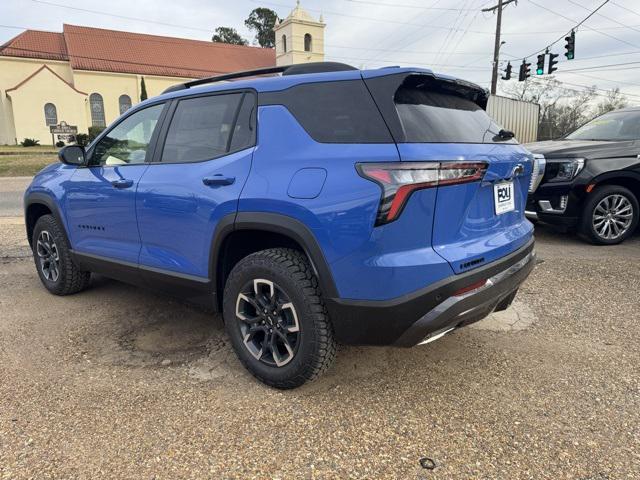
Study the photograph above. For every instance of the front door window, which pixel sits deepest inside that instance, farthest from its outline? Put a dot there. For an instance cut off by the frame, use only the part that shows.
(128, 142)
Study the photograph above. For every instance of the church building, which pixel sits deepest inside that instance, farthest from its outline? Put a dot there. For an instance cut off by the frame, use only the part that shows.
(86, 76)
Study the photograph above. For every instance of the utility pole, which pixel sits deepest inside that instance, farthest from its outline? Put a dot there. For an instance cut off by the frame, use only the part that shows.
(496, 48)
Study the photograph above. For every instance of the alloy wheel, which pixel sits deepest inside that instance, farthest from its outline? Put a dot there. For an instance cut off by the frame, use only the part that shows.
(48, 256)
(268, 322)
(612, 216)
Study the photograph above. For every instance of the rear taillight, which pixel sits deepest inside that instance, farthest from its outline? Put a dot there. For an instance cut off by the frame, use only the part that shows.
(399, 180)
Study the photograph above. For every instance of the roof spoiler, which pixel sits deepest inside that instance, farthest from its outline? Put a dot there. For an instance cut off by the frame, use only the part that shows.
(297, 69)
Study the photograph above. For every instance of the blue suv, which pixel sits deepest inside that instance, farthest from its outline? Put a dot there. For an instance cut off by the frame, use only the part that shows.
(325, 204)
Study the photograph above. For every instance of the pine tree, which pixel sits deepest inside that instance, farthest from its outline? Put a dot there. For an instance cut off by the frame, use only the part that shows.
(143, 90)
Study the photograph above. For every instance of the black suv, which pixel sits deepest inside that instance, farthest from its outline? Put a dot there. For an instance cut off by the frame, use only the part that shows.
(590, 179)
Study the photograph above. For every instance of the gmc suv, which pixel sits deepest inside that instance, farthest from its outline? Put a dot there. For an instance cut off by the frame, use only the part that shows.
(322, 205)
(590, 179)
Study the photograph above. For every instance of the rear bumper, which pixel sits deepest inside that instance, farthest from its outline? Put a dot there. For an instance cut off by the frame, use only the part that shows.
(417, 317)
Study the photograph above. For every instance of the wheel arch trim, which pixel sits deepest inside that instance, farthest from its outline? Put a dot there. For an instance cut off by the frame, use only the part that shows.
(275, 223)
(48, 201)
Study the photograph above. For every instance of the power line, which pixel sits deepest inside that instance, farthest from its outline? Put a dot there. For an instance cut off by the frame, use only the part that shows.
(575, 26)
(359, 17)
(599, 67)
(624, 8)
(109, 14)
(604, 16)
(399, 5)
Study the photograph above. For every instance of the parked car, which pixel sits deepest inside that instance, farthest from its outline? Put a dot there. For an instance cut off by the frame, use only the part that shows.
(324, 205)
(589, 180)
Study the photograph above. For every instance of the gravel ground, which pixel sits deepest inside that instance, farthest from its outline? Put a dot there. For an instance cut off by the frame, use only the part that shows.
(117, 382)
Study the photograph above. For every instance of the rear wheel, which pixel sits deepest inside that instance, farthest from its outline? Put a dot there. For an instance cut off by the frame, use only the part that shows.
(276, 319)
(610, 215)
(52, 257)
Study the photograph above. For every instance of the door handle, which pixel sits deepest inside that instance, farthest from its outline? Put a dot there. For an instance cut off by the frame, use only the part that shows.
(122, 183)
(218, 179)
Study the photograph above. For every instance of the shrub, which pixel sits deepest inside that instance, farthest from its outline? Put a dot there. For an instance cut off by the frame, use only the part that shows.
(30, 142)
(82, 139)
(59, 144)
(94, 132)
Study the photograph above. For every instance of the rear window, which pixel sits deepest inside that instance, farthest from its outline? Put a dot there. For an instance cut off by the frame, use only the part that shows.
(430, 113)
(333, 112)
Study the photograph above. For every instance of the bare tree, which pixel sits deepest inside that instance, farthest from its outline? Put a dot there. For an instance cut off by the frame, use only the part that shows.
(562, 109)
(613, 101)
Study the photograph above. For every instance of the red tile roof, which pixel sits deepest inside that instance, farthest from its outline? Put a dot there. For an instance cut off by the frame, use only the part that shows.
(123, 52)
(36, 44)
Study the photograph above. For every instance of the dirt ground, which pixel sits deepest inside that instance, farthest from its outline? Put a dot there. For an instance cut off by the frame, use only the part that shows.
(117, 382)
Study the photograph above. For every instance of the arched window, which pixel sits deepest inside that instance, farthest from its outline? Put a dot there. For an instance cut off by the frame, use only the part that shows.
(284, 43)
(50, 114)
(97, 110)
(124, 102)
(307, 42)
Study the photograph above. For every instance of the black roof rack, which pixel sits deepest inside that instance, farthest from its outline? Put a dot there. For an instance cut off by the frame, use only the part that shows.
(297, 69)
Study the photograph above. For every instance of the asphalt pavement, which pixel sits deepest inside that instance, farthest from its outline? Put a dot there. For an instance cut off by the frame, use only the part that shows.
(11, 191)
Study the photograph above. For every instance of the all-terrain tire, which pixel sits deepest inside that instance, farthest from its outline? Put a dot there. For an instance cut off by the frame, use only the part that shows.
(289, 274)
(69, 278)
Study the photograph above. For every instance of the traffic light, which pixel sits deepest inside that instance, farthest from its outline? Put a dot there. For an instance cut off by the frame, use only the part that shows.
(553, 62)
(570, 46)
(540, 65)
(507, 72)
(525, 71)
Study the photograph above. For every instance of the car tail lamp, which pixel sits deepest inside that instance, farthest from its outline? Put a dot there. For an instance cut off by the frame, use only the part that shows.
(399, 180)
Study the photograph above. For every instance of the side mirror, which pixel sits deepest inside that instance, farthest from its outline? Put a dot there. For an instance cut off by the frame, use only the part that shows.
(72, 155)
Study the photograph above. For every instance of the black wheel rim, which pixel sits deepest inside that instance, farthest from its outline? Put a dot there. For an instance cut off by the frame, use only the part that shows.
(48, 256)
(268, 322)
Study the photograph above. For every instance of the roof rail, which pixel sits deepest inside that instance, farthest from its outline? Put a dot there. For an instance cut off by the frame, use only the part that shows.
(297, 69)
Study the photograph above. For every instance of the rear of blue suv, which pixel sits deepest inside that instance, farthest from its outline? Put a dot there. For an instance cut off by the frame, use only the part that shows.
(328, 204)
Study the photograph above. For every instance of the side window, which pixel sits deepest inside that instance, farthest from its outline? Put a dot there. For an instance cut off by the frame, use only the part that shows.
(50, 114)
(124, 103)
(97, 110)
(128, 142)
(333, 112)
(244, 133)
(200, 128)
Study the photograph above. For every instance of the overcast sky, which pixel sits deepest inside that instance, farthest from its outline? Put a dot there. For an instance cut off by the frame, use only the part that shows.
(451, 36)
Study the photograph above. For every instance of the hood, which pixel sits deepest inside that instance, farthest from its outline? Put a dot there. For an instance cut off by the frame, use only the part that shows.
(583, 148)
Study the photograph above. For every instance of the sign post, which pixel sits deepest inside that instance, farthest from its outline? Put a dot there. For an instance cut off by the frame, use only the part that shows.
(65, 132)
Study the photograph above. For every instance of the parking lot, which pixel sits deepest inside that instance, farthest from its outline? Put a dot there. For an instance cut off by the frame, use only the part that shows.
(117, 382)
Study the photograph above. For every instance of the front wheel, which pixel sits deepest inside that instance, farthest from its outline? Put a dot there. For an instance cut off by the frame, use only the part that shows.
(52, 256)
(276, 318)
(610, 215)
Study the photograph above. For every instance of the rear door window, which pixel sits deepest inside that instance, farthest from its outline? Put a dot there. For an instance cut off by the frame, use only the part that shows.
(201, 128)
(431, 114)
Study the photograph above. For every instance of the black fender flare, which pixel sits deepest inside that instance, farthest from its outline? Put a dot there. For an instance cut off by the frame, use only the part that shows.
(46, 200)
(277, 223)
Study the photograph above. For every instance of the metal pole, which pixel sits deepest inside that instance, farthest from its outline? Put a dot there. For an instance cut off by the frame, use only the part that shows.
(496, 51)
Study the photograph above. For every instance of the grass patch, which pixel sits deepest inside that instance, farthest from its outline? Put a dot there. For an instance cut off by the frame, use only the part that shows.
(24, 165)
(20, 150)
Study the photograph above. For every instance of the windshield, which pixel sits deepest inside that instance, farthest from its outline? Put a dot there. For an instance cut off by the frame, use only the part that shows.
(610, 126)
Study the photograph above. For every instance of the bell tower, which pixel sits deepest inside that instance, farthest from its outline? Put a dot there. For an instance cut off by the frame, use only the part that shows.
(299, 38)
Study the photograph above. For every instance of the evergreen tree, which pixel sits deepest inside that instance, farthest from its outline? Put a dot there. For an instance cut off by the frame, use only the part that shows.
(143, 90)
(228, 35)
(262, 20)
